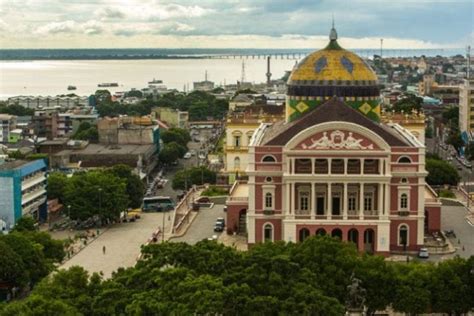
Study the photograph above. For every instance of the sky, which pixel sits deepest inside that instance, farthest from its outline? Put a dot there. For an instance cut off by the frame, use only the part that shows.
(235, 23)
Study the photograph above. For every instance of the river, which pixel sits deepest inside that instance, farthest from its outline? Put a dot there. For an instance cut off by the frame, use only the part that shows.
(51, 77)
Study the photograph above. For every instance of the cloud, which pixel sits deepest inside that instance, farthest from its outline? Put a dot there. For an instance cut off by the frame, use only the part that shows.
(57, 27)
(109, 13)
(70, 27)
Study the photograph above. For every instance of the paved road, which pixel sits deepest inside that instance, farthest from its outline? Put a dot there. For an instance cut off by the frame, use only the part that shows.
(122, 242)
(203, 225)
(453, 217)
(465, 173)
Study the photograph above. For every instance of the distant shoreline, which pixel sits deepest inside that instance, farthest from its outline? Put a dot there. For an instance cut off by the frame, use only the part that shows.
(185, 53)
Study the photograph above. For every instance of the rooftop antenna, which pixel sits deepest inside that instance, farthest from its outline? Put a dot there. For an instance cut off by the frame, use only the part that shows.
(242, 79)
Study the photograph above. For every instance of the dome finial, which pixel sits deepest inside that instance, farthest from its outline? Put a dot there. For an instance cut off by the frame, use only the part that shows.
(333, 33)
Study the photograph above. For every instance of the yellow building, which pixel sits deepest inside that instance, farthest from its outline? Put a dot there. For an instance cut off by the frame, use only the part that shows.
(413, 122)
(239, 131)
(466, 107)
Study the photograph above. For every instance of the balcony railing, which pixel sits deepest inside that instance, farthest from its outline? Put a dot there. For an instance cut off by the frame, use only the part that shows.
(237, 199)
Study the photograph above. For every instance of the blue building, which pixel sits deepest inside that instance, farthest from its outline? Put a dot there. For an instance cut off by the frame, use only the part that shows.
(22, 192)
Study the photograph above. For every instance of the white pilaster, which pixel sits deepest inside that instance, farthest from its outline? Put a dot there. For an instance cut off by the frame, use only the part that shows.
(379, 199)
(361, 200)
(313, 200)
(383, 237)
(292, 199)
(344, 202)
(329, 203)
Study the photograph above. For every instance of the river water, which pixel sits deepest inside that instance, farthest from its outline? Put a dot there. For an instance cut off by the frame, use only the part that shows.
(51, 77)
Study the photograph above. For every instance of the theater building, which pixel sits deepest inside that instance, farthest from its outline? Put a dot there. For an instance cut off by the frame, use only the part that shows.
(334, 168)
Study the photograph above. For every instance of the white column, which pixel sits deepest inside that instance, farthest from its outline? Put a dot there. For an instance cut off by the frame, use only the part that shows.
(345, 166)
(386, 211)
(361, 201)
(379, 199)
(329, 165)
(313, 200)
(287, 198)
(329, 202)
(344, 202)
(362, 166)
(312, 166)
(292, 199)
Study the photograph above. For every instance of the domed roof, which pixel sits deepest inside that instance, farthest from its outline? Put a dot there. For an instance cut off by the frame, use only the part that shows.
(332, 65)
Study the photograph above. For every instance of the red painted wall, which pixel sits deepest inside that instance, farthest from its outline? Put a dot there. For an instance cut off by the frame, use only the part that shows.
(412, 235)
(259, 229)
(232, 217)
(434, 218)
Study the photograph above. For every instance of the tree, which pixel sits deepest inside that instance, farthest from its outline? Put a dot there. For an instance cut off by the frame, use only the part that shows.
(25, 224)
(449, 288)
(15, 109)
(455, 140)
(32, 256)
(441, 172)
(12, 269)
(408, 104)
(134, 93)
(96, 193)
(172, 136)
(135, 188)
(53, 249)
(195, 175)
(103, 96)
(180, 148)
(39, 305)
(169, 154)
(56, 185)
(86, 131)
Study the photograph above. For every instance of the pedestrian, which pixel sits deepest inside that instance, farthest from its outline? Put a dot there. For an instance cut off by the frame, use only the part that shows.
(103, 250)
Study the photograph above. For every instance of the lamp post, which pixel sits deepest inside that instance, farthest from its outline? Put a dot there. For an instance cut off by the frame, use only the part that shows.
(69, 211)
(163, 227)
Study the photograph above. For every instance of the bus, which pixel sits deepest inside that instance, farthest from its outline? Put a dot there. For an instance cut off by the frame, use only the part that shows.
(157, 204)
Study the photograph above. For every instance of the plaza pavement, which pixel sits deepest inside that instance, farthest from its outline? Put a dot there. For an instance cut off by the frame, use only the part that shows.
(122, 243)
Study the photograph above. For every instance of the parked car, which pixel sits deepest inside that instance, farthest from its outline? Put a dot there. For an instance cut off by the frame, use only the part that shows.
(423, 253)
(203, 199)
(202, 157)
(450, 233)
(218, 227)
(220, 220)
(187, 155)
(193, 152)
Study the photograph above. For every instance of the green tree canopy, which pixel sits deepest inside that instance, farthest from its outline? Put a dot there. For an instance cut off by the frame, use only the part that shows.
(96, 193)
(408, 104)
(56, 185)
(441, 172)
(135, 188)
(195, 175)
(15, 109)
(25, 224)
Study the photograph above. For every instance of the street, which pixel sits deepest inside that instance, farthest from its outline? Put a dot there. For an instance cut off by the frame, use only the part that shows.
(203, 225)
(122, 243)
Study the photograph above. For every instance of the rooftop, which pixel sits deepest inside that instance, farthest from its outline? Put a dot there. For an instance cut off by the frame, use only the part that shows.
(333, 110)
(98, 149)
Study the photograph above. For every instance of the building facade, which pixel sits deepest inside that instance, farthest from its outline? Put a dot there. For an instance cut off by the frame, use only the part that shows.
(335, 169)
(239, 130)
(22, 192)
(7, 124)
(466, 108)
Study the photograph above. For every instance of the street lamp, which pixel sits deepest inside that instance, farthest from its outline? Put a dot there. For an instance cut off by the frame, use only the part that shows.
(69, 211)
(100, 200)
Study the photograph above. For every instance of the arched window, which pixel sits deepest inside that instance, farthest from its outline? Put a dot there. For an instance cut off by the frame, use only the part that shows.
(304, 233)
(236, 163)
(403, 235)
(267, 232)
(268, 159)
(404, 159)
(404, 180)
(321, 232)
(403, 201)
(268, 200)
(237, 141)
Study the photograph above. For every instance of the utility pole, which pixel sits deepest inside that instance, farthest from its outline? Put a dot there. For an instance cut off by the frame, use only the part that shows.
(242, 79)
(163, 227)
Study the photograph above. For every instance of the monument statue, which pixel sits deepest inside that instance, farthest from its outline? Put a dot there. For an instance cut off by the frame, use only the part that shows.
(356, 295)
